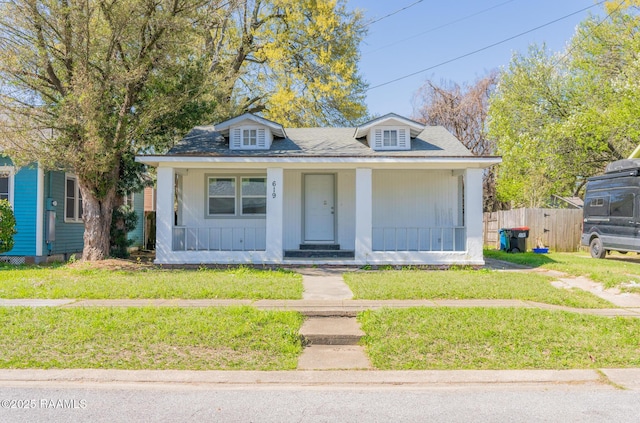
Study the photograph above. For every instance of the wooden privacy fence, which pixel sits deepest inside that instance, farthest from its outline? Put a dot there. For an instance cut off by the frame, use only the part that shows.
(558, 229)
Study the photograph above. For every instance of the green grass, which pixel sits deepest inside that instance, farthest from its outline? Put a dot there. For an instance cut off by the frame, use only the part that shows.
(466, 284)
(88, 282)
(149, 338)
(614, 271)
(477, 338)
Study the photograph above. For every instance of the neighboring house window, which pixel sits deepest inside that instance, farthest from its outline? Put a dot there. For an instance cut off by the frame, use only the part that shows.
(254, 196)
(249, 137)
(390, 138)
(127, 200)
(222, 196)
(73, 200)
(4, 185)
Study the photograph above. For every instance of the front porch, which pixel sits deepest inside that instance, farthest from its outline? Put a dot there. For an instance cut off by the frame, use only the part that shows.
(377, 216)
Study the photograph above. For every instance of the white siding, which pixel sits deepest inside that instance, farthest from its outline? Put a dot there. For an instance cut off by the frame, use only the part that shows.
(413, 199)
(194, 209)
(345, 202)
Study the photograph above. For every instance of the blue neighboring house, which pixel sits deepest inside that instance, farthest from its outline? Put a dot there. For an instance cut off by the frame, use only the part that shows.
(48, 210)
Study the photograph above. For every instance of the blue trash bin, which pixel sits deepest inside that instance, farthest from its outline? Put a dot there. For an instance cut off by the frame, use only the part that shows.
(505, 237)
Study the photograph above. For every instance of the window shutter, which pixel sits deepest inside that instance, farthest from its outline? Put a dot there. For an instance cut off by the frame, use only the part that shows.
(402, 139)
(261, 139)
(236, 139)
(377, 139)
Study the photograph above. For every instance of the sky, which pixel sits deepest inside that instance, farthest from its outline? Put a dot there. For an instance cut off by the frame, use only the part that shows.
(431, 32)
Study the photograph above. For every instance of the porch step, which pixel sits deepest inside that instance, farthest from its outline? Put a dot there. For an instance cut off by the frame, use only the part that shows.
(331, 331)
(347, 254)
(319, 246)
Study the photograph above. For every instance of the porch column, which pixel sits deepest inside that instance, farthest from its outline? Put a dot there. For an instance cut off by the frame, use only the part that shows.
(275, 214)
(473, 213)
(164, 213)
(364, 215)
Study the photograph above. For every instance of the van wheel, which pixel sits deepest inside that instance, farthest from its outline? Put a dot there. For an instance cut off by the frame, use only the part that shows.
(597, 251)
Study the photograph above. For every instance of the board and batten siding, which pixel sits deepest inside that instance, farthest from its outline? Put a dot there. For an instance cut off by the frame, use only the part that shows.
(194, 211)
(414, 199)
(293, 211)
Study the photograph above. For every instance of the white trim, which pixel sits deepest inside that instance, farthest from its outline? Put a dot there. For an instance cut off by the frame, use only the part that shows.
(77, 218)
(11, 183)
(40, 211)
(460, 162)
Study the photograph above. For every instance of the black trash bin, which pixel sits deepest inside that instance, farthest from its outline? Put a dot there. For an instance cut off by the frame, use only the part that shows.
(518, 239)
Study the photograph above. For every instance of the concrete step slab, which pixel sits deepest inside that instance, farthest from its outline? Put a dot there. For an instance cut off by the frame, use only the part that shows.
(331, 331)
(333, 357)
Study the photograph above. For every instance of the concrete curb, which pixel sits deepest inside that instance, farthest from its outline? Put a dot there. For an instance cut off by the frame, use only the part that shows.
(625, 378)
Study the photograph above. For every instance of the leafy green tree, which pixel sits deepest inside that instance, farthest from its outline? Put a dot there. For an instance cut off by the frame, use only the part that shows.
(7, 226)
(293, 61)
(79, 79)
(88, 84)
(560, 118)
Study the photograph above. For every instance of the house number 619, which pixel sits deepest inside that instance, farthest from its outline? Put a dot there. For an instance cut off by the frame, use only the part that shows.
(274, 189)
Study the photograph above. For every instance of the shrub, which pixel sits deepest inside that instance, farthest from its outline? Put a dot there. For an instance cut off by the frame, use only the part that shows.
(7, 226)
(124, 221)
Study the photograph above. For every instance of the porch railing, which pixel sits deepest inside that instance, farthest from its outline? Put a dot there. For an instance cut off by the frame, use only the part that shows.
(420, 239)
(219, 239)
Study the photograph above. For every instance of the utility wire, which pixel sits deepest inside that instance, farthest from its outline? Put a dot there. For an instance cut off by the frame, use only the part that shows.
(570, 49)
(392, 13)
(439, 27)
(483, 48)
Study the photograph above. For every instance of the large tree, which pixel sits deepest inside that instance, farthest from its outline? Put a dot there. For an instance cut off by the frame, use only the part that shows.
(463, 111)
(560, 118)
(86, 84)
(294, 61)
(76, 79)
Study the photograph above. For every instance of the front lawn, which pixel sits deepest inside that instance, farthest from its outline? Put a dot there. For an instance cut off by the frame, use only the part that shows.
(616, 270)
(466, 284)
(149, 338)
(479, 338)
(91, 281)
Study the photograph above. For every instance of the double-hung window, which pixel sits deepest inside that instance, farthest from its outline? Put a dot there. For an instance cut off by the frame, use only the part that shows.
(222, 196)
(227, 198)
(5, 185)
(127, 200)
(254, 196)
(73, 200)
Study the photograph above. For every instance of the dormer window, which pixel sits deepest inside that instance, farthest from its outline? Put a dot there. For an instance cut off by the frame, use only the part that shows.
(390, 138)
(390, 132)
(249, 137)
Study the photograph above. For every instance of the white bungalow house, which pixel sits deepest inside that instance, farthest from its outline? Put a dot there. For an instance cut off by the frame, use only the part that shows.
(391, 191)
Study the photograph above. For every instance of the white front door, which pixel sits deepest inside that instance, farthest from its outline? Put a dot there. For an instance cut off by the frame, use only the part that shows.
(319, 208)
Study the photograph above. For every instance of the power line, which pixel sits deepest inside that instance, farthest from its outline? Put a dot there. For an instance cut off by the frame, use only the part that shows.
(570, 49)
(439, 27)
(392, 13)
(483, 48)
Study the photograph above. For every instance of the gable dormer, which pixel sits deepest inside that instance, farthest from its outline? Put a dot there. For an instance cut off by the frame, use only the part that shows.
(250, 132)
(389, 132)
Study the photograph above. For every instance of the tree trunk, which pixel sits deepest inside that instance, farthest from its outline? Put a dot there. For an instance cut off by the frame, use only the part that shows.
(97, 213)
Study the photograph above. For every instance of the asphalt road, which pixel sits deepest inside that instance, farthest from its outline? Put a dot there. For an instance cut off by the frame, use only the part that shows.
(79, 402)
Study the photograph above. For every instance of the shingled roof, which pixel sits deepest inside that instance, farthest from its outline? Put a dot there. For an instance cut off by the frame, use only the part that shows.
(206, 141)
